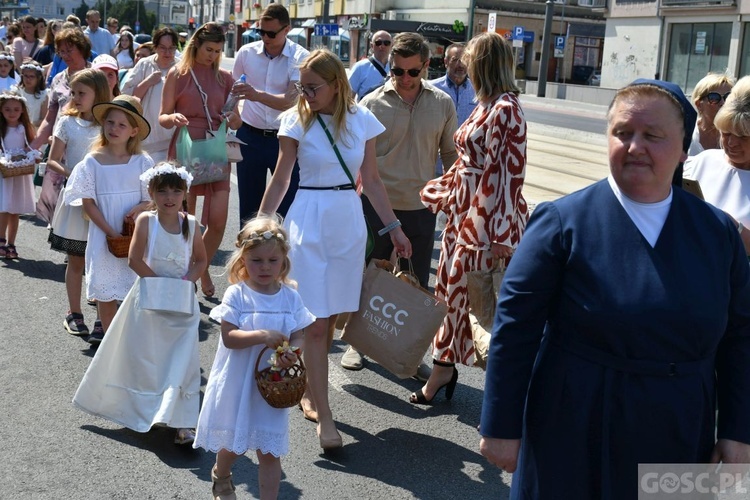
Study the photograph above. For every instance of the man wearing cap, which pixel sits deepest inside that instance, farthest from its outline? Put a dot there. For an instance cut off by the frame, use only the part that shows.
(101, 39)
(182, 40)
(271, 67)
(373, 71)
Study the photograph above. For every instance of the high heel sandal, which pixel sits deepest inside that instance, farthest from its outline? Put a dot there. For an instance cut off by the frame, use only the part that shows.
(419, 397)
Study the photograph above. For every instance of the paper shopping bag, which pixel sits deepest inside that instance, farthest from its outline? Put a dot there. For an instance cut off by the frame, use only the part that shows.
(483, 288)
(396, 321)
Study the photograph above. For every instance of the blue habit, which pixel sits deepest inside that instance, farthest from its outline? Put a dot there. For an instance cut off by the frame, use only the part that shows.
(607, 353)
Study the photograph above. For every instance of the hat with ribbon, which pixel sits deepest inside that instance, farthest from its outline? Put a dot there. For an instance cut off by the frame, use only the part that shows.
(128, 104)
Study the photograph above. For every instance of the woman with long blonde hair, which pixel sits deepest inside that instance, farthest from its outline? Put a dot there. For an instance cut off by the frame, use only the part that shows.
(327, 231)
(194, 86)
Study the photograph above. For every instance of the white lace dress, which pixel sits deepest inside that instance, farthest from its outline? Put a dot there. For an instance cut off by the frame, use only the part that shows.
(147, 369)
(16, 193)
(234, 415)
(116, 189)
(69, 227)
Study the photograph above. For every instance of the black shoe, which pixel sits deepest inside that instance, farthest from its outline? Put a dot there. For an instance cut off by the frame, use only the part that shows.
(97, 335)
(74, 324)
(418, 397)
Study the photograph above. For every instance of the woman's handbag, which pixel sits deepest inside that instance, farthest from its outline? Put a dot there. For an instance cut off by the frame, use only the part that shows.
(483, 288)
(396, 320)
(234, 151)
(166, 295)
(370, 237)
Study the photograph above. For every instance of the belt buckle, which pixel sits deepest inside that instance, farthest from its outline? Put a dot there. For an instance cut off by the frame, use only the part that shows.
(336, 188)
(269, 133)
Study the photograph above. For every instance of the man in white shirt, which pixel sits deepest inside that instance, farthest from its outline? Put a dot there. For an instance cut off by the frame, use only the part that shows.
(373, 71)
(101, 39)
(271, 67)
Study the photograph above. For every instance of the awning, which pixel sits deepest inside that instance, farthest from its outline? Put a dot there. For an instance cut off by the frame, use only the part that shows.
(298, 35)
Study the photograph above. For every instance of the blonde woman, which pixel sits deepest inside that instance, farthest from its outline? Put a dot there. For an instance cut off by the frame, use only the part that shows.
(709, 95)
(326, 226)
(182, 106)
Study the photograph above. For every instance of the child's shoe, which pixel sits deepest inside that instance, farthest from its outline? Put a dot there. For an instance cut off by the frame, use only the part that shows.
(10, 252)
(97, 335)
(3, 248)
(184, 436)
(222, 487)
(74, 324)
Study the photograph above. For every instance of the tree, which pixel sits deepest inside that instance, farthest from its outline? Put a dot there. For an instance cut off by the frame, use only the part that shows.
(80, 12)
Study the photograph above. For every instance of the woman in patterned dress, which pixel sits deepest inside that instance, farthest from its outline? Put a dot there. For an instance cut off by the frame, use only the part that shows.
(481, 194)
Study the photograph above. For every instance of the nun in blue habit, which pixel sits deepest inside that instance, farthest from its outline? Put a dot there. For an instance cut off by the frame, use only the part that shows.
(623, 323)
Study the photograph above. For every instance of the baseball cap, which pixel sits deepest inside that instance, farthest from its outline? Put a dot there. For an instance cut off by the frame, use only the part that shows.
(105, 61)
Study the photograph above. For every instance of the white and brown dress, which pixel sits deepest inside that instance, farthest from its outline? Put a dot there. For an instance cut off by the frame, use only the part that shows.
(481, 194)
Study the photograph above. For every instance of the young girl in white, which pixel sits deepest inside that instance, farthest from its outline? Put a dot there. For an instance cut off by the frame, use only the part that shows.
(147, 369)
(16, 193)
(108, 182)
(75, 131)
(259, 309)
(8, 76)
(33, 89)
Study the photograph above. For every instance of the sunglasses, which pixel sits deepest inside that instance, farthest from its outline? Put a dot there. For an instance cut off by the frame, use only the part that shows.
(308, 92)
(412, 72)
(715, 97)
(270, 34)
(378, 43)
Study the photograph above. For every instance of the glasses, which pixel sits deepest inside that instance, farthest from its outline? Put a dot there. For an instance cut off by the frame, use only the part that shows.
(65, 53)
(308, 92)
(378, 43)
(270, 34)
(414, 72)
(715, 97)
(166, 49)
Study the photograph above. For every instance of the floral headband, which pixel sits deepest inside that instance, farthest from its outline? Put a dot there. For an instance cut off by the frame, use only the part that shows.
(263, 237)
(35, 67)
(6, 56)
(166, 169)
(4, 96)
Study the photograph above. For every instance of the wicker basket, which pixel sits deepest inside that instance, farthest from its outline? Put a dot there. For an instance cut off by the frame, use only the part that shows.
(120, 245)
(15, 171)
(283, 393)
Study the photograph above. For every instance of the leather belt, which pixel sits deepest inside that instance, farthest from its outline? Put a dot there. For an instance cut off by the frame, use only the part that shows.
(268, 132)
(341, 187)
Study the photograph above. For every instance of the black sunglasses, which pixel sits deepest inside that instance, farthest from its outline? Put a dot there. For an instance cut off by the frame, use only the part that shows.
(378, 43)
(412, 72)
(715, 97)
(270, 34)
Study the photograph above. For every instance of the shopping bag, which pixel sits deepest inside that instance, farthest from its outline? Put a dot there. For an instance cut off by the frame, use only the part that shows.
(205, 159)
(234, 151)
(170, 295)
(483, 288)
(396, 320)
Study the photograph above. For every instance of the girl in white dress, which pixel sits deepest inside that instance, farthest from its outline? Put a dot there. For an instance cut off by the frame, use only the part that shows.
(33, 89)
(16, 193)
(75, 131)
(326, 224)
(108, 182)
(260, 309)
(147, 369)
(8, 77)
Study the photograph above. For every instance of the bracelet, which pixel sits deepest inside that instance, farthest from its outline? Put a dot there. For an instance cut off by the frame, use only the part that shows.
(390, 227)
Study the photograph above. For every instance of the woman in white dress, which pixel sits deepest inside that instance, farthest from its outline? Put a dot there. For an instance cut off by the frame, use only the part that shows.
(147, 369)
(326, 226)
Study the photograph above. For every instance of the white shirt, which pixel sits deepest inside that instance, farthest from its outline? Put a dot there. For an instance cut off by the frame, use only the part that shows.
(268, 75)
(723, 186)
(649, 218)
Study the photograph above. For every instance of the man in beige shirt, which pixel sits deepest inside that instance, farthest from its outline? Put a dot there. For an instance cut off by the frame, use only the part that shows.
(419, 122)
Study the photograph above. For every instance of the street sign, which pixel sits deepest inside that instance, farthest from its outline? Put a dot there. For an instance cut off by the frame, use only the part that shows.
(491, 22)
(559, 46)
(231, 18)
(326, 30)
(518, 32)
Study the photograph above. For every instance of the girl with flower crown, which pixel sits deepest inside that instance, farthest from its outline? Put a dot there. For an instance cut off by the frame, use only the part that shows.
(33, 89)
(8, 76)
(146, 371)
(16, 193)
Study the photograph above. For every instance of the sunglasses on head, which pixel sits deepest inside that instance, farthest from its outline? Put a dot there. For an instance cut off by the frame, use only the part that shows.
(378, 43)
(412, 72)
(715, 97)
(269, 34)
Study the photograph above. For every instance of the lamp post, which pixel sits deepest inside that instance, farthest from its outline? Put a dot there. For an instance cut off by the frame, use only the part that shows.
(541, 90)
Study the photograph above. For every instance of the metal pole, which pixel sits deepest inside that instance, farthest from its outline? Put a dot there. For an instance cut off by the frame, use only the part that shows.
(470, 29)
(541, 90)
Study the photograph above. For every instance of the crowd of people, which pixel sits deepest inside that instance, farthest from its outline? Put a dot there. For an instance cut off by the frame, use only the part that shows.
(602, 356)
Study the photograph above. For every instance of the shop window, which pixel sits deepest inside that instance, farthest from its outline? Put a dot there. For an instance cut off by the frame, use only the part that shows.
(587, 51)
(745, 52)
(696, 49)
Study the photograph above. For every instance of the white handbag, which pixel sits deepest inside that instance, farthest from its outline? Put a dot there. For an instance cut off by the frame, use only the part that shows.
(166, 295)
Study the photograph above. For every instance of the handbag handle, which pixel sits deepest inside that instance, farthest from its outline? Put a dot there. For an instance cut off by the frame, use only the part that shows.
(204, 100)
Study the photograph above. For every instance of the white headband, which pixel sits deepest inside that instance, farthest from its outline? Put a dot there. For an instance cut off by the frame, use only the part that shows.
(6, 56)
(36, 68)
(165, 169)
(12, 95)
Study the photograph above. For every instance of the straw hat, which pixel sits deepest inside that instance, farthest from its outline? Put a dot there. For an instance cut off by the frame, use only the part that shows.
(130, 105)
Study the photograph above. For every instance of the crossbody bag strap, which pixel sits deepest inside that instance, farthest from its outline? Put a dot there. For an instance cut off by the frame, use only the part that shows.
(336, 150)
(204, 96)
(378, 67)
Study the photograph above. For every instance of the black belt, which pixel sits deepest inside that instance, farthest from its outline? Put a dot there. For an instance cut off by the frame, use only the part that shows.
(342, 187)
(268, 132)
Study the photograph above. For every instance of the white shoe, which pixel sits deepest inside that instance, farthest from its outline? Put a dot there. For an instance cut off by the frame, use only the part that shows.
(352, 359)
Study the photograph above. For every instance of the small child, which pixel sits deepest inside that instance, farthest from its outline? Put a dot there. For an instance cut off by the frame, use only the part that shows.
(108, 182)
(16, 193)
(8, 76)
(73, 135)
(260, 309)
(33, 89)
(146, 371)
